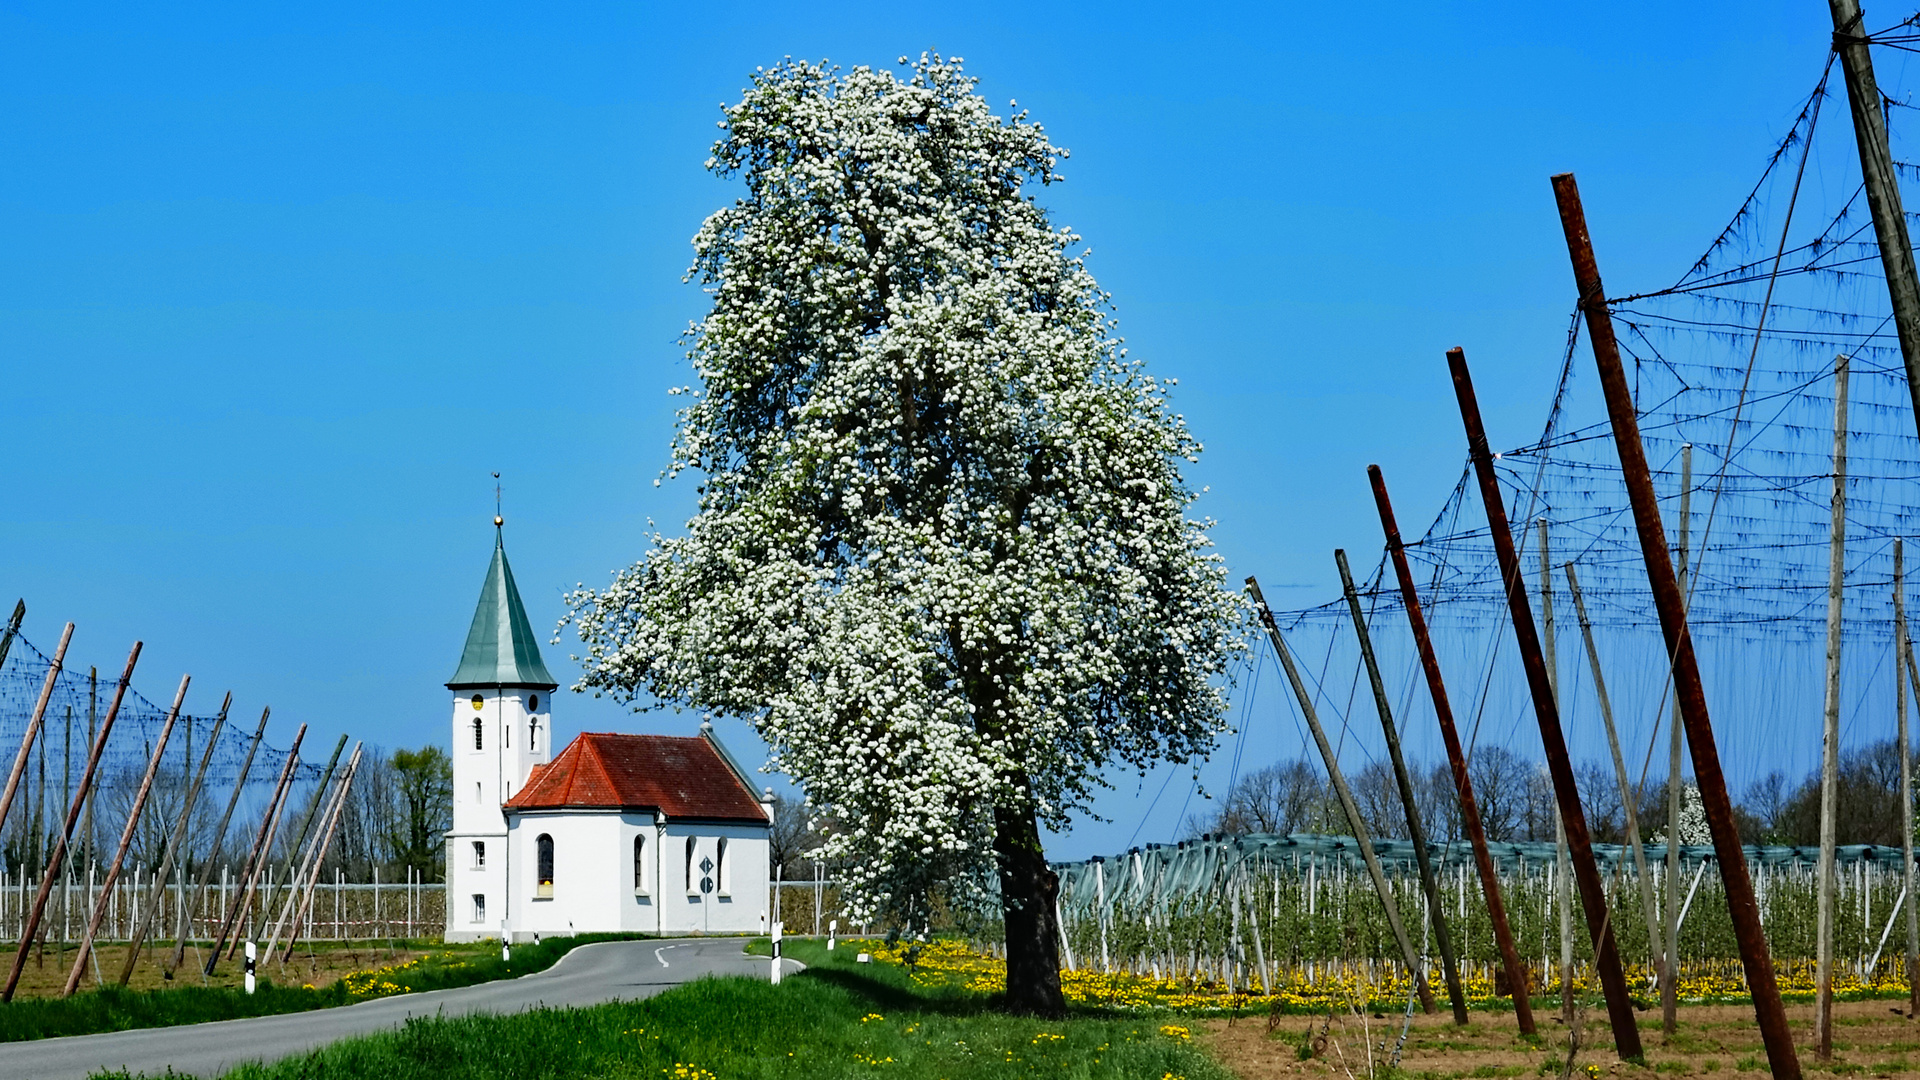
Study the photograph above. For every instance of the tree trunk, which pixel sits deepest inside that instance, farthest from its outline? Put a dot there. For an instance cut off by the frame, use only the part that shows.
(1028, 889)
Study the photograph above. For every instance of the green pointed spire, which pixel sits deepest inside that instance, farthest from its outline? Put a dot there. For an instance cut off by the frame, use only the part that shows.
(501, 649)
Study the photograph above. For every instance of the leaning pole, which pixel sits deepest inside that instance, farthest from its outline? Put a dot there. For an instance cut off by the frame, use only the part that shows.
(1416, 832)
(1586, 871)
(1456, 757)
(1671, 605)
(1416, 971)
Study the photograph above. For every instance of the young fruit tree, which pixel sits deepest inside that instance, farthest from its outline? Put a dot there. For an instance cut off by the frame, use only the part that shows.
(941, 560)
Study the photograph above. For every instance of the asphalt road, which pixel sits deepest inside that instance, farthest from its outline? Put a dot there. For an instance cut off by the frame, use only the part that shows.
(589, 975)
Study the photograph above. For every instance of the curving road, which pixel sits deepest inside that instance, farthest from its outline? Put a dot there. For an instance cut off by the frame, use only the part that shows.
(589, 975)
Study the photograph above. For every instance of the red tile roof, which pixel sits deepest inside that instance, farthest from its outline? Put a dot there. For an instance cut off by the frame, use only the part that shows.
(680, 777)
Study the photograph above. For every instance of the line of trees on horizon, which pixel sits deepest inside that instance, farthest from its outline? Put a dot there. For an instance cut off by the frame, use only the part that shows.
(1516, 801)
(394, 822)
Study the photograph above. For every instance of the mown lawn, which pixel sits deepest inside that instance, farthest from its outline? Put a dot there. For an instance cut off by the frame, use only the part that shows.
(110, 1008)
(837, 1020)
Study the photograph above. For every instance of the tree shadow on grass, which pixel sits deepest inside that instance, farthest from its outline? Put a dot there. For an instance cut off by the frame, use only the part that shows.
(888, 994)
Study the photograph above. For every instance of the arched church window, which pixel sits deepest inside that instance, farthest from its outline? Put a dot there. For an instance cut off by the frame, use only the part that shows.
(477, 797)
(640, 864)
(724, 874)
(543, 859)
(479, 855)
(479, 907)
(693, 872)
(479, 736)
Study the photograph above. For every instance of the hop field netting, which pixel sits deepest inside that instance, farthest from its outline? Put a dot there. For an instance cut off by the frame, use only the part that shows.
(79, 703)
(1734, 364)
(1733, 357)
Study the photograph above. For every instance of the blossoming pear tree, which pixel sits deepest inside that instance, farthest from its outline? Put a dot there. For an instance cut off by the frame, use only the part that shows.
(942, 561)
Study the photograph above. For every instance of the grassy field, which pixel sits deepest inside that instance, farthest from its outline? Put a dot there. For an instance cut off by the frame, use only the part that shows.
(113, 1009)
(839, 1019)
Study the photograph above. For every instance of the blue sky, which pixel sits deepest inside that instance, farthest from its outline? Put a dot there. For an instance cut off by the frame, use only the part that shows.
(279, 290)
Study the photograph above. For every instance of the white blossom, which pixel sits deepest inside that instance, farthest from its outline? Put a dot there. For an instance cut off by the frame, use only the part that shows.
(942, 560)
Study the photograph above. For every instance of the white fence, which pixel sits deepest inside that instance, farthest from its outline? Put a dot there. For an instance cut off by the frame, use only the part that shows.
(340, 911)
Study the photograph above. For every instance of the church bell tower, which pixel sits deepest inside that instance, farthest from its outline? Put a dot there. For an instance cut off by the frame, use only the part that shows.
(501, 730)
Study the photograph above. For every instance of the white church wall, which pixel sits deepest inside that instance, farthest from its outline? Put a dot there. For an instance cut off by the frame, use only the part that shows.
(738, 900)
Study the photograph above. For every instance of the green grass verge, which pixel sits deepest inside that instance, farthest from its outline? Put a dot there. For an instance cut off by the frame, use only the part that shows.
(836, 1020)
(111, 1008)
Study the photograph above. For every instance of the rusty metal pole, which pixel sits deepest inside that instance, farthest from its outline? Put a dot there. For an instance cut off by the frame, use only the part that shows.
(1347, 805)
(257, 856)
(33, 726)
(126, 841)
(1586, 872)
(1436, 912)
(213, 852)
(32, 925)
(1671, 605)
(172, 854)
(1456, 756)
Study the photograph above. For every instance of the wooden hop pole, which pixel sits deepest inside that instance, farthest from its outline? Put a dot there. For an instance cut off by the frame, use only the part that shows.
(1882, 185)
(1912, 904)
(214, 851)
(174, 843)
(323, 842)
(1671, 605)
(99, 747)
(1563, 878)
(298, 840)
(13, 629)
(1586, 871)
(1347, 805)
(1416, 832)
(1830, 741)
(1456, 756)
(1627, 800)
(257, 857)
(1670, 966)
(126, 840)
(33, 726)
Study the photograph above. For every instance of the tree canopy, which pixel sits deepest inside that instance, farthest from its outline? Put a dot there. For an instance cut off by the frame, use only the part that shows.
(942, 560)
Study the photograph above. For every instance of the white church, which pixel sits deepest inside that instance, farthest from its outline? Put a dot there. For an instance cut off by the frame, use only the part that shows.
(634, 833)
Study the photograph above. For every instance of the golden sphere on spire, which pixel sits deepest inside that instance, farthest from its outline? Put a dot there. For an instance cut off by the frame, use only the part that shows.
(498, 521)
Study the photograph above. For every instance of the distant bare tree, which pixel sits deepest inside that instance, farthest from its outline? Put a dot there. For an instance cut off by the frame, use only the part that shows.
(1600, 799)
(1500, 779)
(1765, 808)
(1286, 797)
(792, 839)
(1377, 794)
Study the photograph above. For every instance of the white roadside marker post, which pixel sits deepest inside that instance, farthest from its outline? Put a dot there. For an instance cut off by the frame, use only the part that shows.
(777, 926)
(250, 956)
(833, 927)
(506, 944)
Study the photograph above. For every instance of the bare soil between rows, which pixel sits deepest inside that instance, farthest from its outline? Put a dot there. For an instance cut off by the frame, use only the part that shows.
(1871, 1038)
